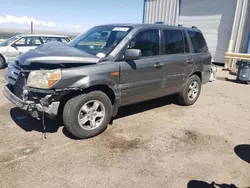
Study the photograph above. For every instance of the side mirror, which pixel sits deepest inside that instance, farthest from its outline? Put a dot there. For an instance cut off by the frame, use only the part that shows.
(132, 54)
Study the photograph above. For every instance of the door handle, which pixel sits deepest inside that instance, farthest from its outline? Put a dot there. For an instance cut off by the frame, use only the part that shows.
(158, 65)
(190, 61)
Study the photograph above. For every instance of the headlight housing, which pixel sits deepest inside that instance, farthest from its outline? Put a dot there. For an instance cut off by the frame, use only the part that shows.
(44, 79)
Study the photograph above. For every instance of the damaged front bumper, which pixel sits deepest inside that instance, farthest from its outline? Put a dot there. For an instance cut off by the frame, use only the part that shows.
(34, 109)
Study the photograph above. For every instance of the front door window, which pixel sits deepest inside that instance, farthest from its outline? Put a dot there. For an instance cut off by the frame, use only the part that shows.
(147, 41)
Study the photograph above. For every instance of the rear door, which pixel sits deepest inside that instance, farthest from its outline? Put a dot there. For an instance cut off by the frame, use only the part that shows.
(201, 55)
(141, 79)
(178, 60)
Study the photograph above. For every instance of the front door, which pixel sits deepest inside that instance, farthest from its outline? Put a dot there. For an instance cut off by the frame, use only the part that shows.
(141, 79)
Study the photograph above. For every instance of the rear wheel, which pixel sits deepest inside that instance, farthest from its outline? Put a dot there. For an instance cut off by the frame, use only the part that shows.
(2, 62)
(87, 115)
(190, 92)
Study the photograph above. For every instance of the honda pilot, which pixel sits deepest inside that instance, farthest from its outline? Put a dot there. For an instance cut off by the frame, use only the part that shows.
(87, 80)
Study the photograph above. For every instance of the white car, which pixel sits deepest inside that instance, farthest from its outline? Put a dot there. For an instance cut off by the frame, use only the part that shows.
(19, 44)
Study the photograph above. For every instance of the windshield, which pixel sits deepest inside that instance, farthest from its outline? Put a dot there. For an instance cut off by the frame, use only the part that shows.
(100, 40)
(9, 41)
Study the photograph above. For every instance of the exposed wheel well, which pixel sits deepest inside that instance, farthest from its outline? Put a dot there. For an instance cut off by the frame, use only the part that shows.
(105, 89)
(198, 74)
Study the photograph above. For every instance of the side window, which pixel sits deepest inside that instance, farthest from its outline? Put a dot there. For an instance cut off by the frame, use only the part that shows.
(21, 42)
(33, 41)
(175, 42)
(57, 39)
(29, 41)
(147, 41)
(198, 41)
(45, 39)
(51, 39)
(64, 40)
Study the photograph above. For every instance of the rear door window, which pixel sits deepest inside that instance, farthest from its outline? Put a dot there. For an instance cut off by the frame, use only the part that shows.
(51, 39)
(34, 41)
(198, 41)
(175, 42)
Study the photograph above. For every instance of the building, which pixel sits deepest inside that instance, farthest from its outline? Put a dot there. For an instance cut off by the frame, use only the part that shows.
(224, 23)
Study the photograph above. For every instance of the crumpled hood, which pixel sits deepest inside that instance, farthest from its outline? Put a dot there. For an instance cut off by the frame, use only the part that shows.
(56, 53)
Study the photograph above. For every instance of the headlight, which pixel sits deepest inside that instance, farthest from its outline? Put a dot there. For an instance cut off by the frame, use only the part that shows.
(44, 79)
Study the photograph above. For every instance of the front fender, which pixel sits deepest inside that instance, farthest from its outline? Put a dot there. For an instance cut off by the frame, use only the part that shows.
(88, 76)
(88, 81)
(4, 55)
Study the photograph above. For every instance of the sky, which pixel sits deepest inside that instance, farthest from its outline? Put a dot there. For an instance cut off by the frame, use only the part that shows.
(68, 15)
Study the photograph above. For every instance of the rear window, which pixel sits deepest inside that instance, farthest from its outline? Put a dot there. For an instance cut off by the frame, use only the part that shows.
(175, 42)
(198, 42)
(50, 39)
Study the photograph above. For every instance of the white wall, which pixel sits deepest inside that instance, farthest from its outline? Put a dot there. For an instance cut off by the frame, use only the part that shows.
(246, 33)
(161, 10)
(214, 18)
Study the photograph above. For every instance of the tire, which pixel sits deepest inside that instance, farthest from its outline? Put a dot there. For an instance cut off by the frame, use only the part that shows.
(184, 98)
(75, 109)
(2, 62)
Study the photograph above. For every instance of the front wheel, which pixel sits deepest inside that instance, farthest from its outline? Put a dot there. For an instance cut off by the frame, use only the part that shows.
(190, 91)
(87, 115)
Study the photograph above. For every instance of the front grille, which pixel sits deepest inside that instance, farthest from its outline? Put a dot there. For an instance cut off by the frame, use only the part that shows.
(18, 87)
(17, 78)
(13, 73)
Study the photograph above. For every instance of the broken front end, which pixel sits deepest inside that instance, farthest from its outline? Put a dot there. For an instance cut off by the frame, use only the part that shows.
(20, 90)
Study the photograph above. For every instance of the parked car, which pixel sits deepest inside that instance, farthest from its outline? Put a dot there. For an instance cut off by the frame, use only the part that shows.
(86, 86)
(19, 44)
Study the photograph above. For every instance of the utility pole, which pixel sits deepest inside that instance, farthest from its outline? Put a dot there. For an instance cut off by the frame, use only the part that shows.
(31, 27)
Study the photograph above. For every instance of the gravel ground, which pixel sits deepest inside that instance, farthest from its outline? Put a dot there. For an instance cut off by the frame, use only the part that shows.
(152, 144)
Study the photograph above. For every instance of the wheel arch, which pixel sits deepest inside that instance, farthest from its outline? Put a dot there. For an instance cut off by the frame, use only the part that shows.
(3, 58)
(197, 73)
(98, 87)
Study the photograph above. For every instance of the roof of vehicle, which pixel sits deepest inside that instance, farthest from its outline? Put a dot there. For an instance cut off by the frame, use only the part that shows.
(42, 35)
(140, 26)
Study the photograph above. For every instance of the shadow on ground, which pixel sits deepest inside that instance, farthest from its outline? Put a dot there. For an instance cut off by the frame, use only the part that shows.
(144, 106)
(233, 80)
(27, 123)
(243, 152)
(202, 184)
(227, 79)
(134, 109)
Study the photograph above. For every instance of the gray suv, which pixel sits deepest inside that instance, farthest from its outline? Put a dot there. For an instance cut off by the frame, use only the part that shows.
(109, 66)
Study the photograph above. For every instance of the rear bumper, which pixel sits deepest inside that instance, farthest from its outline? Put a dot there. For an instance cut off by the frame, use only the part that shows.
(33, 108)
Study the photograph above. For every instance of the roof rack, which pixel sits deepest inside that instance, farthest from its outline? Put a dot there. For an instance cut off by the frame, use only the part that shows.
(194, 27)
